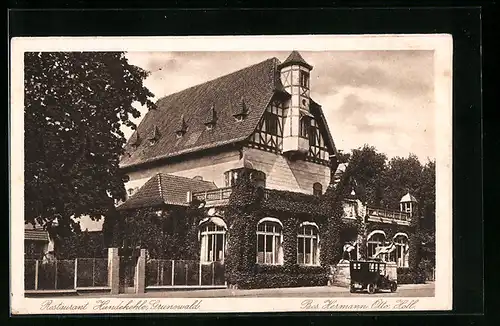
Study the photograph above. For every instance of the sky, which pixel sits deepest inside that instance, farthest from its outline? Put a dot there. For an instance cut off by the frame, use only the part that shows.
(380, 98)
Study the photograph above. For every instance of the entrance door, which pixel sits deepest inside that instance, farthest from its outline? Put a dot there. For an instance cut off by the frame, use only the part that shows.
(127, 274)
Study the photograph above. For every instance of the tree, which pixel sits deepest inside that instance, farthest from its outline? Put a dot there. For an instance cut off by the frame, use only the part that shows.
(401, 176)
(367, 168)
(75, 104)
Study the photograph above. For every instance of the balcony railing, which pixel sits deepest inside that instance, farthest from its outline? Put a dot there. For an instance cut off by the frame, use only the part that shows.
(220, 196)
(389, 214)
(213, 195)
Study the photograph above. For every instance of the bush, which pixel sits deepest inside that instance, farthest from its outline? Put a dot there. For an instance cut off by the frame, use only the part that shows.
(279, 276)
(408, 276)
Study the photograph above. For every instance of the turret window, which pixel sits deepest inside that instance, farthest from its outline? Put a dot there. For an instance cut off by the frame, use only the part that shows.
(304, 79)
(304, 127)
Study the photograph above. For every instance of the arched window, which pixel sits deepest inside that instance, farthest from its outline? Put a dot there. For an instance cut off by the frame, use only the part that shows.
(374, 240)
(258, 178)
(307, 244)
(269, 241)
(317, 189)
(213, 240)
(400, 254)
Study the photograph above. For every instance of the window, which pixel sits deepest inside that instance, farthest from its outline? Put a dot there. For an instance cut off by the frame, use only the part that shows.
(375, 240)
(213, 238)
(271, 123)
(258, 178)
(231, 177)
(313, 131)
(307, 245)
(269, 132)
(400, 254)
(269, 242)
(317, 189)
(304, 127)
(304, 79)
(132, 191)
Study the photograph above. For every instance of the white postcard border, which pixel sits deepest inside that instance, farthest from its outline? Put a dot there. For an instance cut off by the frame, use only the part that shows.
(442, 44)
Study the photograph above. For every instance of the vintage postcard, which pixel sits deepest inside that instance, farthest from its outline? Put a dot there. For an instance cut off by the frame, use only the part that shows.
(219, 174)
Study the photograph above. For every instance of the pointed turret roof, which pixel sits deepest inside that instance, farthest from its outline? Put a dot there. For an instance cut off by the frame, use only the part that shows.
(408, 198)
(295, 58)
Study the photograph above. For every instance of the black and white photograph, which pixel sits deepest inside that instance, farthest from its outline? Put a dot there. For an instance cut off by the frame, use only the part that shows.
(219, 174)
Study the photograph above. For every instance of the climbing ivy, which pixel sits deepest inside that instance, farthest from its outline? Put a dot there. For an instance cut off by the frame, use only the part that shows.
(248, 204)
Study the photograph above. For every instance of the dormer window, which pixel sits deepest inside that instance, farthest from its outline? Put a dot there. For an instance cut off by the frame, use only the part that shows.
(240, 111)
(211, 118)
(134, 141)
(182, 127)
(155, 136)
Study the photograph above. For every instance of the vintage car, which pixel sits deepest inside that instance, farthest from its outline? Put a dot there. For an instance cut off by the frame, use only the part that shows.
(370, 275)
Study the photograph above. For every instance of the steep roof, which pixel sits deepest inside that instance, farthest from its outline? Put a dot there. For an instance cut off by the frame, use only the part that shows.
(256, 84)
(295, 58)
(165, 189)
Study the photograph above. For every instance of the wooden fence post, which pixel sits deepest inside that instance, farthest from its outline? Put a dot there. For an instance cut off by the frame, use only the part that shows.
(76, 274)
(199, 273)
(213, 273)
(173, 266)
(93, 272)
(162, 272)
(158, 272)
(36, 274)
(55, 281)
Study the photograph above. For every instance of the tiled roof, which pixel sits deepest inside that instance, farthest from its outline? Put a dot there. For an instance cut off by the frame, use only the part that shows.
(36, 235)
(255, 84)
(295, 58)
(165, 189)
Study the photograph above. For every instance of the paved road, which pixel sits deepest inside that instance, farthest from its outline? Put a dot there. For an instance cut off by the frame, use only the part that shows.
(422, 290)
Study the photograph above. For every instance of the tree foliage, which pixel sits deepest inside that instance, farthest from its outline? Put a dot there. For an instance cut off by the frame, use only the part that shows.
(382, 182)
(75, 104)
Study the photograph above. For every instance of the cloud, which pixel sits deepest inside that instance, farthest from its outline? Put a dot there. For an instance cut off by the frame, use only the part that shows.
(407, 73)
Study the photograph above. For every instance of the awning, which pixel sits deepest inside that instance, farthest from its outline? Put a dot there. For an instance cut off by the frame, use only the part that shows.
(215, 220)
(306, 113)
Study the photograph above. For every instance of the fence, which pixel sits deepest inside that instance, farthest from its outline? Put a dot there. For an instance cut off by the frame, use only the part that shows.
(69, 274)
(91, 272)
(183, 273)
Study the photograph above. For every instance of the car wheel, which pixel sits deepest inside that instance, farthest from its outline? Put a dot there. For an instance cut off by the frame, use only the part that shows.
(352, 289)
(394, 287)
(371, 288)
